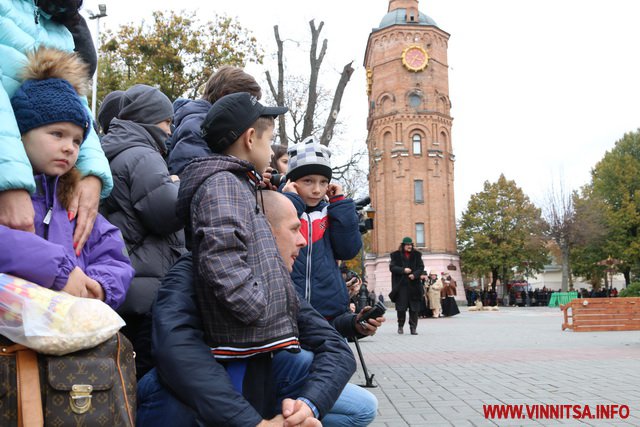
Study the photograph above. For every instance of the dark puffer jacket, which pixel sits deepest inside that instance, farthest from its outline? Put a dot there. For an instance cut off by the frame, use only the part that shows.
(143, 206)
(186, 141)
(186, 367)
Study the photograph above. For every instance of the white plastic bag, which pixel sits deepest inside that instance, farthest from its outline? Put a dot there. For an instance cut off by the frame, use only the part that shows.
(52, 322)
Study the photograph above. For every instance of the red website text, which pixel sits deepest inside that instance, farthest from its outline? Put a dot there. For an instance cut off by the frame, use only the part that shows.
(557, 412)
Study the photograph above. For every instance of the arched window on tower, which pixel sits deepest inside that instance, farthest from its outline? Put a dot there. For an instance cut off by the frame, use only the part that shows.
(416, 145)
(387, 141)
(443, 139)
(415, 100)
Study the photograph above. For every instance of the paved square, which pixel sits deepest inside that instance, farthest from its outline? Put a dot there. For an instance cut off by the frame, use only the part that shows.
(444, 375)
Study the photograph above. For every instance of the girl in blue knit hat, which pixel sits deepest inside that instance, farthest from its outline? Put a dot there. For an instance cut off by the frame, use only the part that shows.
(24, 26)
(53, 124)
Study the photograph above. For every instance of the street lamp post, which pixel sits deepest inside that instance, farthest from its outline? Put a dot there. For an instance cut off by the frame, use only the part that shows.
(102, 12)
(368, 216)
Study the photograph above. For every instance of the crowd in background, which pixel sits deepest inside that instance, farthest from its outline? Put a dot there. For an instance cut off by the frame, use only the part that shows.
(530, 298)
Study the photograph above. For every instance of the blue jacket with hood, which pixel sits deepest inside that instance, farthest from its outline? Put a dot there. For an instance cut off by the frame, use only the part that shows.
(186, 141)
(332, 233)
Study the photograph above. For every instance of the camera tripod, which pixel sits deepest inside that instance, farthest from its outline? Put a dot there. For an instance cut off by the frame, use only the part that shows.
(368, 378)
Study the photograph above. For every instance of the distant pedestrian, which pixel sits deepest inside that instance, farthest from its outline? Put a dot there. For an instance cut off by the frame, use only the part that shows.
(449, 305)
(435, 286)
(406, 289)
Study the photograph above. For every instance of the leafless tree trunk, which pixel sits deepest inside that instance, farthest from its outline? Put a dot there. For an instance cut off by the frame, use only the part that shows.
(559, 213)
(279, 94)
(327, 134)
(313, 98)
(315, 62)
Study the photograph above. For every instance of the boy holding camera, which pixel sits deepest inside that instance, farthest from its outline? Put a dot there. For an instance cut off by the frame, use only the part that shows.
(329, 226)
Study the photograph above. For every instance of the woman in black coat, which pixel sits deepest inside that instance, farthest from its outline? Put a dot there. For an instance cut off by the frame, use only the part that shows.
(406, 289)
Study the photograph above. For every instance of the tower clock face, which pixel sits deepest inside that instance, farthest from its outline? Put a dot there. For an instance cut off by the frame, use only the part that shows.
(415, 58)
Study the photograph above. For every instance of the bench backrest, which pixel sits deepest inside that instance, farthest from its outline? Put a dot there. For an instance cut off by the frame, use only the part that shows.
(602, 314)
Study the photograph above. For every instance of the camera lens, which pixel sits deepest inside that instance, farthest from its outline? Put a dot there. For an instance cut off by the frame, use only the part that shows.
(277, 179)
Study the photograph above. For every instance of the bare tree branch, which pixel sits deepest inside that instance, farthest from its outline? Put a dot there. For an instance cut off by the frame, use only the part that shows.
(351, 175)
(279, 94)
(272, 88)
(307, 106)
(559, 214)
(338, 172)
(196, 87)
(315, 63)
(327, 134)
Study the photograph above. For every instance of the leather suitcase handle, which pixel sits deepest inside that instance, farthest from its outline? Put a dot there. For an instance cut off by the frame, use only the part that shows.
(29, 399)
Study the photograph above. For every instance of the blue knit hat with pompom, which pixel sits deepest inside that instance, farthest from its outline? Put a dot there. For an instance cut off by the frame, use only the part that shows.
(43, 102)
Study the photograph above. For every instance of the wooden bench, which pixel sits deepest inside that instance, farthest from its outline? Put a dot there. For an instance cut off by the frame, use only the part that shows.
(602, 314)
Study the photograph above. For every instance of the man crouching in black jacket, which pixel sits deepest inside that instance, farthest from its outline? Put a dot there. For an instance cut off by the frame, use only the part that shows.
(190, 388)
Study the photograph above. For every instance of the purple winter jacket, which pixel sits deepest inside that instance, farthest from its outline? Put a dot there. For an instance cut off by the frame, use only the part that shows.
(47, 257)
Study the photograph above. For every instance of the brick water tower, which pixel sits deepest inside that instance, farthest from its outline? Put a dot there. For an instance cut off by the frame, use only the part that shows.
(411, 160)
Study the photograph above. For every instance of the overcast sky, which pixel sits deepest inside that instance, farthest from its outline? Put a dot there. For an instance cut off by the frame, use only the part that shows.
(540, 89)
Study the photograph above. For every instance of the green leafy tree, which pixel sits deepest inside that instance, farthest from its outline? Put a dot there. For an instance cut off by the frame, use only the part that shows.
(590, 233)
(616, 181)
(631, 291)
(175, 53)
(501, 232)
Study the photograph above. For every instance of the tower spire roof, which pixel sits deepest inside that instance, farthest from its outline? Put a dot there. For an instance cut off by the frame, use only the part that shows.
(405, 12)
(403, 4)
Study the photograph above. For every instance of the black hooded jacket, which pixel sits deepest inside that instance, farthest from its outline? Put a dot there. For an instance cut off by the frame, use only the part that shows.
(143, 206)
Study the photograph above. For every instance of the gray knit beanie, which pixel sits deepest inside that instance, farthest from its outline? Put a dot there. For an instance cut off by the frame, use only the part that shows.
(308, 158)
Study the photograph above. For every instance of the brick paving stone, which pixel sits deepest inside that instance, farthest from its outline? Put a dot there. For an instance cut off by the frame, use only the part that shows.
(445, 374)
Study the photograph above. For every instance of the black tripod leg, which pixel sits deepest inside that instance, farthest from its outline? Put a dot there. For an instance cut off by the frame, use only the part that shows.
(369, 379)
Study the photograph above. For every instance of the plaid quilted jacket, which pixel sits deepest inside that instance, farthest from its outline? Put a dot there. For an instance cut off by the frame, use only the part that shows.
(245, 295)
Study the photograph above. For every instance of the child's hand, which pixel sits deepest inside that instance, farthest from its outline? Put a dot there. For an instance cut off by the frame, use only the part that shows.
(83, 286)
(95, 290)
(369, 327)
(334, 189)
(290, 187)
(353, 286)
(77, 284)
(266, 179)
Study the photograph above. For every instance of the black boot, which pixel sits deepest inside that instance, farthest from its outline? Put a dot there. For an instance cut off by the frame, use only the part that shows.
(402, 317)
(413, 322)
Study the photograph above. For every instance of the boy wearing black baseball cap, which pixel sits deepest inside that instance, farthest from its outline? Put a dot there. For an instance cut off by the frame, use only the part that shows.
(245, 296)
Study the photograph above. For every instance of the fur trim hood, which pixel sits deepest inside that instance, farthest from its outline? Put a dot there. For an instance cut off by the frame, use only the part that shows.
(47, 63)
